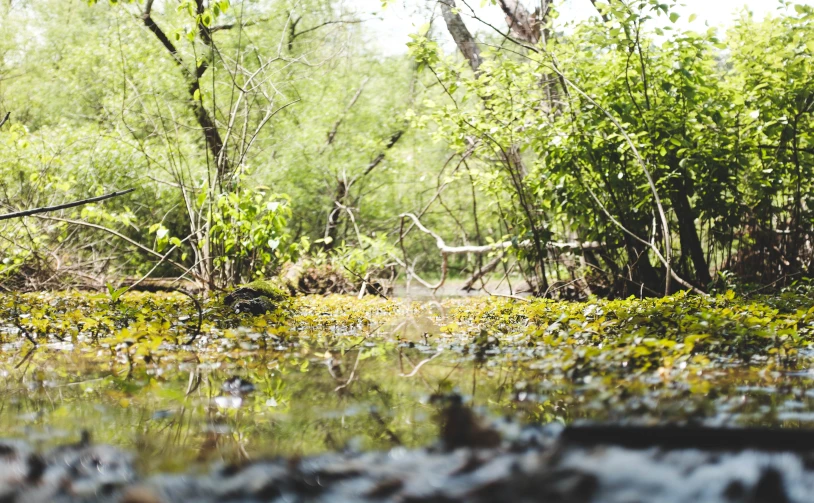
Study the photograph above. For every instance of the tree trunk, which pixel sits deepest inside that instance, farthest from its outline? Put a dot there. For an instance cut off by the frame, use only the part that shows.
(523, 25)
(335, 215)
(690, 244)
(640, 269)
(210, 131)
(460, 34)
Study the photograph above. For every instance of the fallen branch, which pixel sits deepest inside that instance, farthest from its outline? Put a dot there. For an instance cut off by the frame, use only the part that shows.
(421, 364)
(457, 250)
(446, 251)
(45, 209)
(483, 271)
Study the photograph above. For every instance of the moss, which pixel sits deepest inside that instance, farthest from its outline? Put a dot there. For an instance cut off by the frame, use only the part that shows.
(265, 290)
(268, 289)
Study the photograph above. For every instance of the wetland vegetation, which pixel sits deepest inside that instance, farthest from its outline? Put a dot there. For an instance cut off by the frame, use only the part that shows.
(332, 373)
(248, 241)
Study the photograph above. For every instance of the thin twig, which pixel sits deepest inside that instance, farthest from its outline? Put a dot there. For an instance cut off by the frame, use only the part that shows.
(650, 245)
(367, 282)
(352, 373)
(200, 314)
(421, 364)
(120, 236)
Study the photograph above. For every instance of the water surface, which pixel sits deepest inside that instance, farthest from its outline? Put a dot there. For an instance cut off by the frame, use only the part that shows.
(332, 381)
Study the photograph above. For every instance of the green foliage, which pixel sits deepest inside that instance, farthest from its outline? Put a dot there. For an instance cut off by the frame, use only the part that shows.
(724, 127)
(115, 293)
(75, 133)
(722, 122)
(677, 332)
(268, 289)
(371, 258)
(423, 50)
(249, 230)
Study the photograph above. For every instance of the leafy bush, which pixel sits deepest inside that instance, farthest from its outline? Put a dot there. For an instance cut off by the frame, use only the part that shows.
(248, 230)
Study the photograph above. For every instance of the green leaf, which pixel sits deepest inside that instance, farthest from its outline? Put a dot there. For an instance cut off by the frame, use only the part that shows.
(115, 293)
(674, 17)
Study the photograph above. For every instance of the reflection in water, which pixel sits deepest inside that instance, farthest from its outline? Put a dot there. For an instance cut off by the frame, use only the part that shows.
(332, 388)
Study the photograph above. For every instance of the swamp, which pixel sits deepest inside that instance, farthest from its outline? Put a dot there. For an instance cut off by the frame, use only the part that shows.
(406, 250)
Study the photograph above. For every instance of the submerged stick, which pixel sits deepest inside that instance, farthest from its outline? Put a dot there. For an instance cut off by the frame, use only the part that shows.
(45, 209)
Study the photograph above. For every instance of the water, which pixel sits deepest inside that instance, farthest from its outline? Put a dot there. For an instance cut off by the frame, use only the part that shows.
(345, 374)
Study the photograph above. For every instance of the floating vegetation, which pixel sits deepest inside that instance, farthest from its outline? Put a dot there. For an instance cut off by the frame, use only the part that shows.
(183, 383)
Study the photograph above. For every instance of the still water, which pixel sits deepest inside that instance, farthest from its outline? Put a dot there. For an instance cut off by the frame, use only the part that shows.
(332, 382)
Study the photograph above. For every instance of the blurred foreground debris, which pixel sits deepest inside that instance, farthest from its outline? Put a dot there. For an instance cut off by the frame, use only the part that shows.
(473, 461)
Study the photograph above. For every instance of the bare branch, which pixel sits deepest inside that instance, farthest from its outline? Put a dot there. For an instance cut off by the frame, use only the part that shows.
(338, 122)
(120, 236)
(210, 130)
(394, 138)
(416, 368)
(326, 23)
(244, 24)
(457, 250)
(73, 204)
(650, 245)
(604, 16)
(506, 35)
(483, 271)
(162, 37)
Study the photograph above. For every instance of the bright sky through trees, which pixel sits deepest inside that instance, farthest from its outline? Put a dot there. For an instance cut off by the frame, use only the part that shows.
(394, 24)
